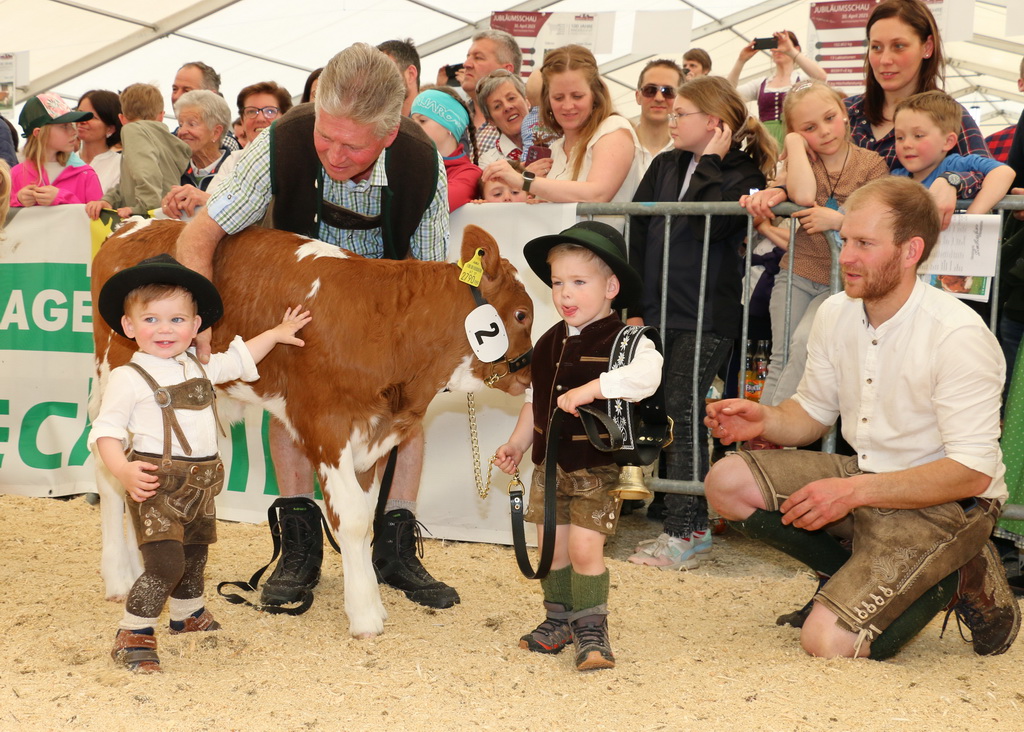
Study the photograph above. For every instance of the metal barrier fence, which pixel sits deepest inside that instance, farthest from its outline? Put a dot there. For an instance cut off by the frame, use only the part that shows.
(707, 210)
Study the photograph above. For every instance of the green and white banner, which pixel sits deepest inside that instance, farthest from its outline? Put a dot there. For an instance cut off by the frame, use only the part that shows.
(46, 372)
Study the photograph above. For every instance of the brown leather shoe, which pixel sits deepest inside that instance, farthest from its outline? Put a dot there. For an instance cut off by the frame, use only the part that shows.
(985, 604)
(203, 621)
(136, 651)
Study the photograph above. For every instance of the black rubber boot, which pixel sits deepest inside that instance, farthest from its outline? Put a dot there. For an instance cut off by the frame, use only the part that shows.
(297, 572)
(397, 564)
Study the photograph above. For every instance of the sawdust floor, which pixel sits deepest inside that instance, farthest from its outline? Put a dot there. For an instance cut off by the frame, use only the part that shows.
(696, 649)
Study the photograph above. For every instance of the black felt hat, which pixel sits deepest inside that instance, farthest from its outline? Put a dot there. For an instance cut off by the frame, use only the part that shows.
(603, 240)
(162, 269)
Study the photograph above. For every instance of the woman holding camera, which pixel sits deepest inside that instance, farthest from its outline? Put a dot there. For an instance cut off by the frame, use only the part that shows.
(769, 92)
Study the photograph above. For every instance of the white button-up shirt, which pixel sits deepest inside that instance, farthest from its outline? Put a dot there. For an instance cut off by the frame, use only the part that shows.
(926, 384)
(129, 411)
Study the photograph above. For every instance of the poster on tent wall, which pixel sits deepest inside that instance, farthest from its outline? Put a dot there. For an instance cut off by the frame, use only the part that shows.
(540, 32)
(837, 37)
(8, 74)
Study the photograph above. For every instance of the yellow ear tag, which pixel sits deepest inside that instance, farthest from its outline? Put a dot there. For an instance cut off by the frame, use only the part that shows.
(101, 227)
(472, 271)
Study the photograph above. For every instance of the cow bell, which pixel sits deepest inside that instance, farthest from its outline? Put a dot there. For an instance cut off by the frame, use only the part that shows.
(631, 484)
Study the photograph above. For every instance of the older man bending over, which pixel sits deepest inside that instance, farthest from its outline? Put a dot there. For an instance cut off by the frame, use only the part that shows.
(330, 170)
(916, 377)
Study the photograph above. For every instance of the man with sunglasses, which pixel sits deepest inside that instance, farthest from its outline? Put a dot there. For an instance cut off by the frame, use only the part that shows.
(332, 169)
(655, 92)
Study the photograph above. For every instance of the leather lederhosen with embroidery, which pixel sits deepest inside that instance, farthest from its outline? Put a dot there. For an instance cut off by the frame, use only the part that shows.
(183, 508)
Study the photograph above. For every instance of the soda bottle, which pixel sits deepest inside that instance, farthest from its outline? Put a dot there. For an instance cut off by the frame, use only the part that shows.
(761, 360)
(753, 384)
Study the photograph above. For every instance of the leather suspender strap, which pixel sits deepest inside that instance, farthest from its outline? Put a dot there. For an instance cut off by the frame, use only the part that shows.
(216, 416)
(645, 426)
(163, 400)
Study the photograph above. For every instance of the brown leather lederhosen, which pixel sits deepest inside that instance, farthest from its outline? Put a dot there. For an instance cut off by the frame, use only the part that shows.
(183, 508)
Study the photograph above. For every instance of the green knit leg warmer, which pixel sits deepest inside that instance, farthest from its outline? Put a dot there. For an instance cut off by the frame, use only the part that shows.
(914, 618)
(819, 550)
(589, 590)
(557, 586)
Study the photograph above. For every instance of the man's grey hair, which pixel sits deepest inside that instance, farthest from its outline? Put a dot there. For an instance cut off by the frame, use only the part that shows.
(211, 79)
(364, 85)
(212, 109)
(490, 83)
(507, 49)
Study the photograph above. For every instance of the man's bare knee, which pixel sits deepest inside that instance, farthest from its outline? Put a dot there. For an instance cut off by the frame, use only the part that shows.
(731, 489)
(821, 636)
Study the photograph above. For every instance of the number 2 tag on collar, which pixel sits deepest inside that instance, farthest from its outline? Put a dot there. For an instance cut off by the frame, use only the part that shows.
(472, 271)
(486, 334)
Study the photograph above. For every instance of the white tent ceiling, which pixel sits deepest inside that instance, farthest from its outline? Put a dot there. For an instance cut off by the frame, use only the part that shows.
(79, 45)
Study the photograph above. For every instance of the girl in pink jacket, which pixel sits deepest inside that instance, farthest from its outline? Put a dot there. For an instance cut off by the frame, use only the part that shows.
(52, 173)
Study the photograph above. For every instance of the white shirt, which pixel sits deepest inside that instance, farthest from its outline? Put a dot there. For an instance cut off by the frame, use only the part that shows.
(561, 169)
(749, 91)
(224, 172)
(647, 157)
(130, 414)
(108, 168)
(924, 385)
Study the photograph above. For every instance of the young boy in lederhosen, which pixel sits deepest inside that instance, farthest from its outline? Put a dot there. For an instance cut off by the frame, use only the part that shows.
(588, 273)
(157, 433)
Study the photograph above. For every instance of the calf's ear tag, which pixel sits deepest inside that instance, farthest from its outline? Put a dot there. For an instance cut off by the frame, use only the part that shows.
(486, 334)
(472, 271)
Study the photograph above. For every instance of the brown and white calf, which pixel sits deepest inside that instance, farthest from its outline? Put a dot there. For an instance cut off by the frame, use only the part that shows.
(386, 336)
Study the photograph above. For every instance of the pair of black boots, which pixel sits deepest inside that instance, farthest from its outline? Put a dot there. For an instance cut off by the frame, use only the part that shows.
(397, 549)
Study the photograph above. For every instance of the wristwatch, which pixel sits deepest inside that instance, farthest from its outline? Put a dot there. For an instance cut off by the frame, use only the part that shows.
(953, 179)
(528, 179)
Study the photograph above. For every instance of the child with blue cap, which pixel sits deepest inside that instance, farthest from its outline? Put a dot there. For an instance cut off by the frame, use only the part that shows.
(446, 120)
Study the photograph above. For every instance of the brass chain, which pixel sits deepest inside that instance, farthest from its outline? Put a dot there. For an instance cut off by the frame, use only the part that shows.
(482, 488)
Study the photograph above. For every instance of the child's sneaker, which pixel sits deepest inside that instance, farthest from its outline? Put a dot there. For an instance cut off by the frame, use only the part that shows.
(593, 648)
(668, 552)
(702, 541)
(552, 635)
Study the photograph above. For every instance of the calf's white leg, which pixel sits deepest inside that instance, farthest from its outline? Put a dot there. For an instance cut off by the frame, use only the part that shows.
(120, 561)
(352, 505)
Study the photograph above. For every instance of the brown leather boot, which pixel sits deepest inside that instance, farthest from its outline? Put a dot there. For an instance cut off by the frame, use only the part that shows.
(590, 634)
(985, 604)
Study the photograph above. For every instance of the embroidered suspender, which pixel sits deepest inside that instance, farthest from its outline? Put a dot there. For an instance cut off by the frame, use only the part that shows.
(193, 394)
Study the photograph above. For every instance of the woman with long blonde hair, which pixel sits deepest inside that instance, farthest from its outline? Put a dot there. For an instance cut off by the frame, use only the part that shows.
(596, 157)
